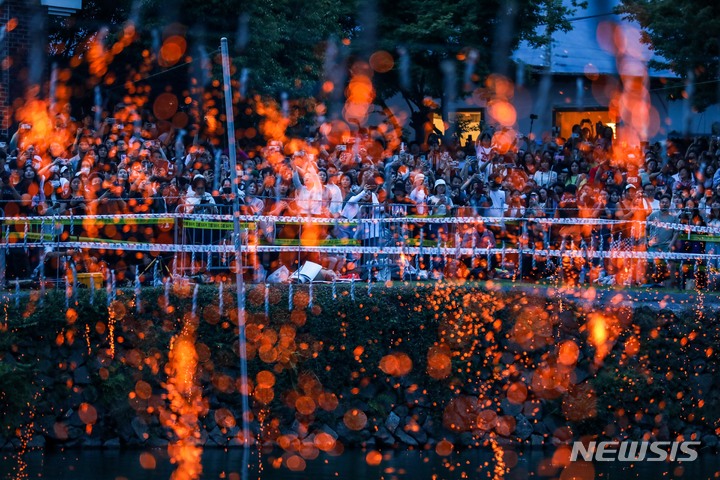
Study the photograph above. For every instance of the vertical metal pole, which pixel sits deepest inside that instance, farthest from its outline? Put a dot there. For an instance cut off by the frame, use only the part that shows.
(3, 252)
(240, 284)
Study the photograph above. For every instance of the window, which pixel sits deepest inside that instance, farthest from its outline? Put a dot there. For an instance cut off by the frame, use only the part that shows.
(566, 118)
(466, 121)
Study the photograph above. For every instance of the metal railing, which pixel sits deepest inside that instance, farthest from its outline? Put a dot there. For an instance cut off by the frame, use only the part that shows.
(380, 242)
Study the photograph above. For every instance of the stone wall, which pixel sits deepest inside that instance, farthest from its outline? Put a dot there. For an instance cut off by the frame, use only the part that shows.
(400, 366)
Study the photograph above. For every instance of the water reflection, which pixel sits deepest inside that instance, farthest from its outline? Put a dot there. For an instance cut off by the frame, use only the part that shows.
(217, 464)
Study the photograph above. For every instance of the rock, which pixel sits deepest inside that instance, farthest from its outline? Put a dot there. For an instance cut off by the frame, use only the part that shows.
(155, 442)
(702, 383)
(140, 428)
(460, 414)
(90, 394)
(549, 423)
(537, 440)
(414, 396)
(13, 444)
(532, 409)
(523, 427)
(74, 420)
(329, 431)
(504, 442)
(92, 442)
(217, 437)
(401, 411)
(350, 437)
(507, 358)
(539, 427)
(710, 441)
(44, 381)
(562, 436)
(81, 376)
(75, 397)
(581, 375)
(431, 427)
(368, 392)
(510, 408)
(384, 437)
(44, 425)
(112, 443)
(419, 435)
(77, 358)
(420, 414)
(300, 428)
(568, 323)
(203, 437)
(37, 441)
(466, 439)
(675, 424)
(405, 438)
(209, 422)
(75, 433)
(392, 422)
(356, 403)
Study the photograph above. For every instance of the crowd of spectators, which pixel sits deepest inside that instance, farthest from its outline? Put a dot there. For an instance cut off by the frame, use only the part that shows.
(130, 163)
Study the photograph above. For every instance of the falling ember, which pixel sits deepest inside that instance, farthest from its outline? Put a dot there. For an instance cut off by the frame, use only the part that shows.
(355, 419)
(373, 458)
(186, 405)
(360, 94)
(498, 455)
(381, 61)
(568, 353)
(397, 364)
(439, 363)
(598, 336)
(444, 448)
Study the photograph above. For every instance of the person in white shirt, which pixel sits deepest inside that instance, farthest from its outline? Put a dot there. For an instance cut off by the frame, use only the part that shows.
(198, 200)
(308, 192)
(649, 190)
(545, 177)
(440, 202)
(497, 199)
(483, 147)
(419, 194)
(332, 196)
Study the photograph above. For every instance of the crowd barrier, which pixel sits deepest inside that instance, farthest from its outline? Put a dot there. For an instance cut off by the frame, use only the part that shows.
(188, 244)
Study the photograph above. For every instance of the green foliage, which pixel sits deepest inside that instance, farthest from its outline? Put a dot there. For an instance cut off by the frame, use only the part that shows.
(17, 393)
(435, 31)
(287, 40)
(683, 33)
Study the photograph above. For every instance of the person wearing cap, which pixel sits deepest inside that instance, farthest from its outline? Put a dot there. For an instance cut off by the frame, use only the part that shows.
(440, 202)
(66, 173)
(198, 200)
(562, 177)
(400, 204)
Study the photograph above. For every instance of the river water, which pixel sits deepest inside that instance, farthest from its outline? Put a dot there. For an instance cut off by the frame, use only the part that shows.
(221, 464)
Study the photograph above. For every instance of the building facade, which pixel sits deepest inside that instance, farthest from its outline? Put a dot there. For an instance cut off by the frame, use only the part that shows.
(23, 43)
